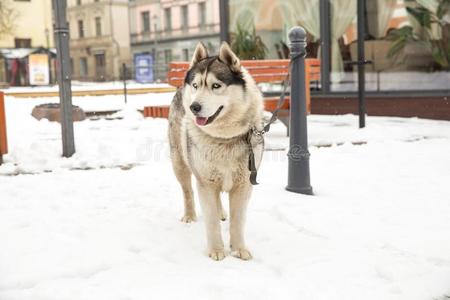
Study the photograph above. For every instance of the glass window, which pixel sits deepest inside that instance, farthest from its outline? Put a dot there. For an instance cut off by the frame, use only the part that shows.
(22, 43)
(186, 55)
(100, 66)
(145, 19)
(168, 18)
(168, 56)
(202, 14)
(98, 26)
(83, 67)
(402, 52)
(184, 17)
(80, 29)
(406, 41)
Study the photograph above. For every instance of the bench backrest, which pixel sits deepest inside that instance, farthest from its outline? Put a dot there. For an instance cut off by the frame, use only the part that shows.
(3, 141)
(261, 70)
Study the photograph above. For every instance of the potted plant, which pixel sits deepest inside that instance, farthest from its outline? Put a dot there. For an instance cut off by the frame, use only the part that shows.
(246, 44)
(428, 21)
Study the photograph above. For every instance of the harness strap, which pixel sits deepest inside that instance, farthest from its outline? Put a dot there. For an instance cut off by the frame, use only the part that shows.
(251, 160)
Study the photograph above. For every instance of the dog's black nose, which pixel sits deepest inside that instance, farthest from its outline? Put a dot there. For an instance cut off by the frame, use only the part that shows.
(195, 107)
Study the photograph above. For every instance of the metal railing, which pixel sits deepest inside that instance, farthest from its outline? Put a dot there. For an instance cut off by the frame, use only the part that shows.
(149, 36)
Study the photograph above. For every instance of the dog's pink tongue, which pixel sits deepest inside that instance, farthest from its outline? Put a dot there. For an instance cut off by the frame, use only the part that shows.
(201, 121)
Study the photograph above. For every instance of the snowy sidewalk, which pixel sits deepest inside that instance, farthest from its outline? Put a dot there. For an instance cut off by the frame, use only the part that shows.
(378, 226)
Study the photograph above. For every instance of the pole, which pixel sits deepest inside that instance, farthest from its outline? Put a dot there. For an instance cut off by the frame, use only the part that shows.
(154, 50)
(3, 131)
(325, 44)
(224, 20)
(298, 168)
(64, 77)
(361, 64)
(124, 77)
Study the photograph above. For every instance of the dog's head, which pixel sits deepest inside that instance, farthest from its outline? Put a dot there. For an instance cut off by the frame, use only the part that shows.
(214, 86)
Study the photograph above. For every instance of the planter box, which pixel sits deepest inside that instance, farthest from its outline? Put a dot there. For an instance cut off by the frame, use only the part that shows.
(51, 112)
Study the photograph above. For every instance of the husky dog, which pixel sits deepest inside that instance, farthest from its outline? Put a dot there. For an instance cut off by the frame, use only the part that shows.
(211, 121)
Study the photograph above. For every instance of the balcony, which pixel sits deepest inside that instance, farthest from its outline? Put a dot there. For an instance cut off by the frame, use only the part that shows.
(185, 32)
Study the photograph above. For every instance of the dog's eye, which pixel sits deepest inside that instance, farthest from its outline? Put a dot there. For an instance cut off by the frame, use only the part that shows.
(194, 85)
(216, 86)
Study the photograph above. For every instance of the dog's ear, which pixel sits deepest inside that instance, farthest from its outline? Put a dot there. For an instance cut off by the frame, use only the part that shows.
(227, 56)
(200, 53)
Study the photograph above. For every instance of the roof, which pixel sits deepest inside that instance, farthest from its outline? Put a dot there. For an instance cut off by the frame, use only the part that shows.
(10, 53)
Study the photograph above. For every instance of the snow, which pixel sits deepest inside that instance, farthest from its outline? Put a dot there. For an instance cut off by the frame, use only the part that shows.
(104, 224)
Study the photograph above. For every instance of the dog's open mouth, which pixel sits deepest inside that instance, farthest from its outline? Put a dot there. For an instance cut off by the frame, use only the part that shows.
(202, 121)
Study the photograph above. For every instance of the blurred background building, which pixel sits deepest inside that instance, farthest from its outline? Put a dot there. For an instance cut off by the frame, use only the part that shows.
(25, 29)
(100, 38)
(170, 29)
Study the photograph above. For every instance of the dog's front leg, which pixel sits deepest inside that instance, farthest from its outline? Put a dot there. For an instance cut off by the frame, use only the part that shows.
(209, 197)
(239, 197)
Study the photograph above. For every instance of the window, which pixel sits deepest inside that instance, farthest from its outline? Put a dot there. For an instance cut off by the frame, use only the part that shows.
(80, 29)
(168, 18)
(202, 14)
(168, 55)
(100, 63)
(98, 26)
(145, 19)
(186, 54)
(22, 43)
(83, 67)
(184, 17)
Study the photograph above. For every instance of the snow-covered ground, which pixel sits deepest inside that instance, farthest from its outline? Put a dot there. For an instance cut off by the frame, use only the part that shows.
(104, 223)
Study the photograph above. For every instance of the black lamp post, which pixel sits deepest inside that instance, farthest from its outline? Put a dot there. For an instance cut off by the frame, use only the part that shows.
(64, 76)
(224, 10)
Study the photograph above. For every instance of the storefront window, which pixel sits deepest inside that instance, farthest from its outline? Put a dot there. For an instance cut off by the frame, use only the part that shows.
(404, 53)
(399, 48)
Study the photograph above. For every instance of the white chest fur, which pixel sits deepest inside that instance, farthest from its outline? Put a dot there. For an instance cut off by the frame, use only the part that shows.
(223, 162)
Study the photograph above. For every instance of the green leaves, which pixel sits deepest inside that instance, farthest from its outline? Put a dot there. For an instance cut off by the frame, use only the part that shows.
(421, 14)
(428, 20)
(246, 44)
(400, 37)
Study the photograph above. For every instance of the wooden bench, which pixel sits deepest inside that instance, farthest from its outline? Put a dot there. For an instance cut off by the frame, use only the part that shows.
(3, 140)
(263, 71)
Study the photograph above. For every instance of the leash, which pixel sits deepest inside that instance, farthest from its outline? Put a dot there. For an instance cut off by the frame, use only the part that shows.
(260, 133)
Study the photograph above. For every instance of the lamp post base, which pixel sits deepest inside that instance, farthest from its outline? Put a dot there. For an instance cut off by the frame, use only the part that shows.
(303, 190)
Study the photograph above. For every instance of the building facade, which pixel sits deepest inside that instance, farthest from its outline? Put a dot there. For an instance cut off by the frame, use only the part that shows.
(31, 24)
(170, 29)
(100, 39)
(26, 28)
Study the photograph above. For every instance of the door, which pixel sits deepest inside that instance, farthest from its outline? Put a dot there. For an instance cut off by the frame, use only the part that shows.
(100, 66)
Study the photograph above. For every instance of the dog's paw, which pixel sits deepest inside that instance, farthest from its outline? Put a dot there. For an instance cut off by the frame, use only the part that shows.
(242, 253)
(189, 218)
(217, 254)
